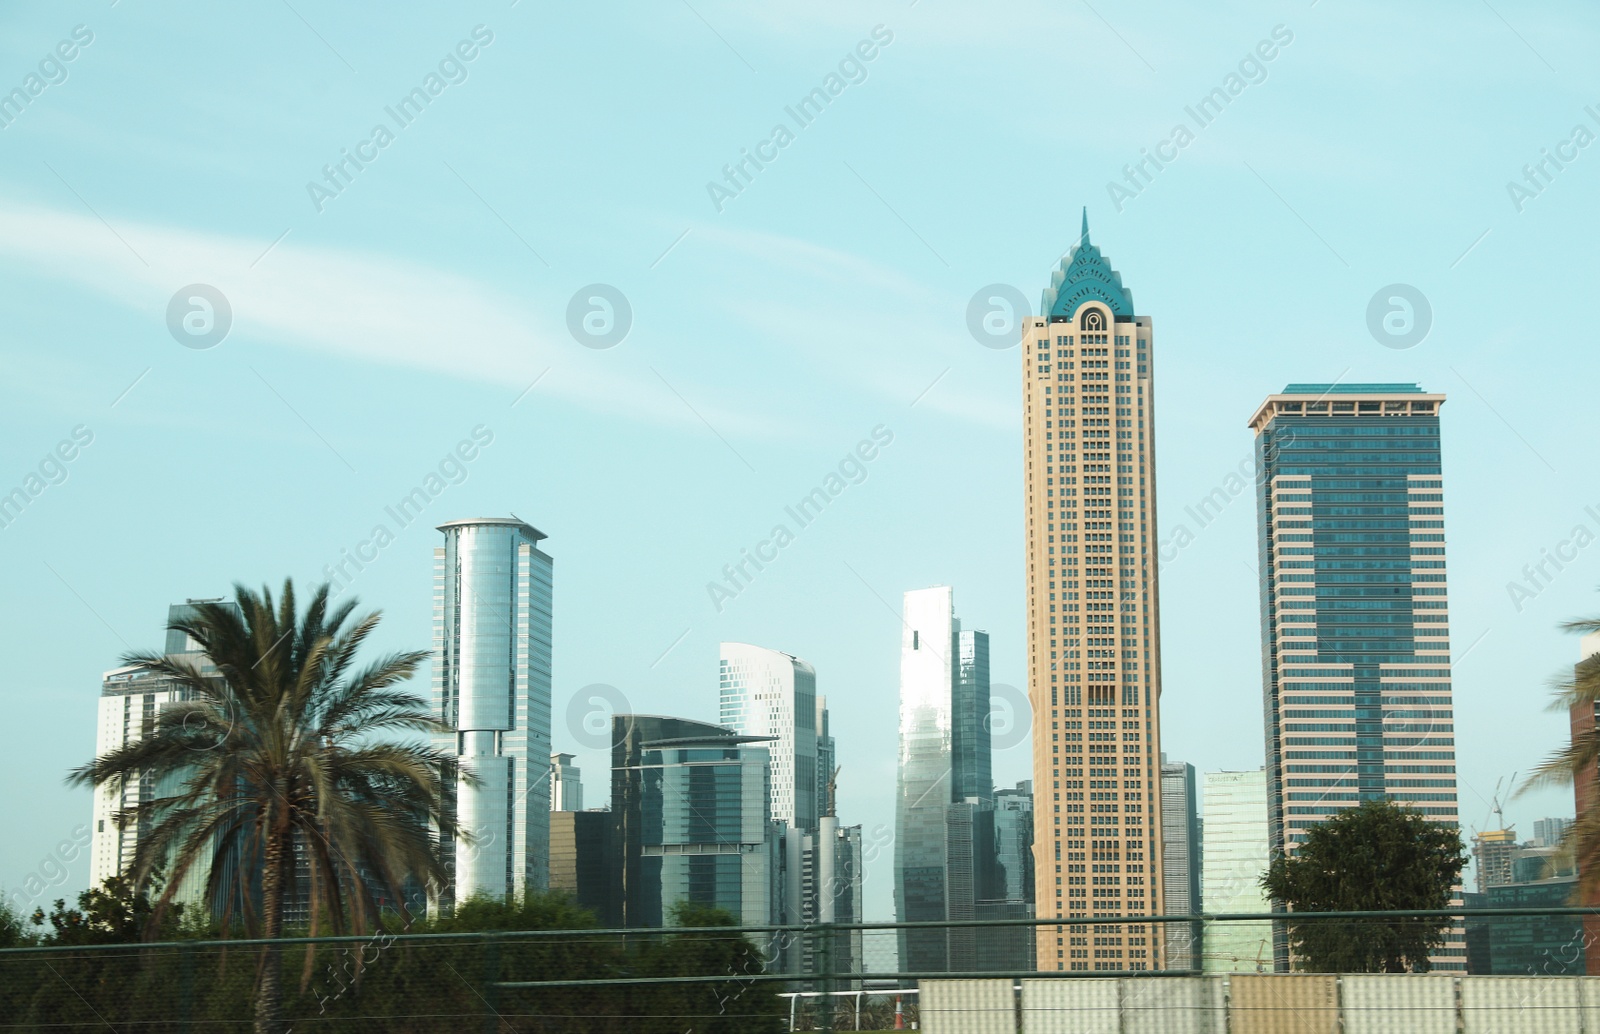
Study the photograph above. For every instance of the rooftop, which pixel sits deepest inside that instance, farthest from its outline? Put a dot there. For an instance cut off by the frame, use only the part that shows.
(1085, 275)
(514, 522)
(1351, 389)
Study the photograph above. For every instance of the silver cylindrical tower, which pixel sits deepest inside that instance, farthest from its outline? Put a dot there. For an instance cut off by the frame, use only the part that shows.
(491, 683)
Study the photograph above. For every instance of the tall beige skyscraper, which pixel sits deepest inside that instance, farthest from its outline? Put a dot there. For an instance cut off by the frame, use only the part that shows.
(1094, 643)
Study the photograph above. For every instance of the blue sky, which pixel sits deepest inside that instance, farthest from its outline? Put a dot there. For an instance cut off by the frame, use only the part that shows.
(827, 298)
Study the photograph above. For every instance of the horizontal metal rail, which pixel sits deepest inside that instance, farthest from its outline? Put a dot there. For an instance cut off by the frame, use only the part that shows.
(812, 928)
(529, 985)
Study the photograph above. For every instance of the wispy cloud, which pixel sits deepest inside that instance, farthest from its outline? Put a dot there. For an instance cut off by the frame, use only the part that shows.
(352, 304)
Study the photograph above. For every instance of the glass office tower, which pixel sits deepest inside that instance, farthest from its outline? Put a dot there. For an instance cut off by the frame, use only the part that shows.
(491, 683)
(692, 814)
(1181, 846)
(1354, 607)
(969, 726)
(770, 693)
(944, 823)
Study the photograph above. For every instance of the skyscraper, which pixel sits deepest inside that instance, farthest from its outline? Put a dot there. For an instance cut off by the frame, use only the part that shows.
(566, 784)
(491, 683)
(827, 758)
(1013, 825)
(692, 815)
(131, 700)
(584, 861)
(1234, 817)
(1094, 643)
(1009, 893)
(768, 693)
(969, 725)
(1355, 625)
(944, 843)
(1549, 832)
(1181, 845)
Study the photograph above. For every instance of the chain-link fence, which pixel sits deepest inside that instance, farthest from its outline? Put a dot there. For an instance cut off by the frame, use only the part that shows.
(839, 977)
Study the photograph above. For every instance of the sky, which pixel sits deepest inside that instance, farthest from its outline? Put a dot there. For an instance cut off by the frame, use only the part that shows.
(550, 255)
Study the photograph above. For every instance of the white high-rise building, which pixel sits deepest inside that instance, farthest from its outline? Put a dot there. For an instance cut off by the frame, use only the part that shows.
(770, 693)
(491, 682)
(131, 699)
(1233, 857)
(566, 784)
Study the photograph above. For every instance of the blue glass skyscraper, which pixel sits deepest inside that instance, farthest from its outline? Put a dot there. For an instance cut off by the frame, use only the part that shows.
(1354, 605)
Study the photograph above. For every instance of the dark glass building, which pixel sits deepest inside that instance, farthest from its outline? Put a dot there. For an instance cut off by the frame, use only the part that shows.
(1354, 607)
(1526, 945)
(583, 861)
(690, 803)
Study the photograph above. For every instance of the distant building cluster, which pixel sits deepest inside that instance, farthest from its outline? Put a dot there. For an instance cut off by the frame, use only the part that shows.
(740, 813)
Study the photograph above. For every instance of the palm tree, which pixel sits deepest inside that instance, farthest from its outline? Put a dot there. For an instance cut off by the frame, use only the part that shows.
(1576, 762)
(284, 751)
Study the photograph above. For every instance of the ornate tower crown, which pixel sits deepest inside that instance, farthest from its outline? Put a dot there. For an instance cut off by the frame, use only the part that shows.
(1085, 275)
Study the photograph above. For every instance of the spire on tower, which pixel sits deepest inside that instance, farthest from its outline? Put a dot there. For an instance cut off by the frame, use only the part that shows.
(1082, 274)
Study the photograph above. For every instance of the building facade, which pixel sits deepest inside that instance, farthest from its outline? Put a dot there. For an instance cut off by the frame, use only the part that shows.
(1181, 848)
(769, 693)
(1234, 854)
(1013, 831)
(1537, 945)
(131, 701)
(1355, 626)
(1549, 832)
(492, 599)
(583, 862)
(971, 758)
(1094, 642)
(1492, 854)
(1009, 894)
(944, 844)
(566, 783)
(692, 811)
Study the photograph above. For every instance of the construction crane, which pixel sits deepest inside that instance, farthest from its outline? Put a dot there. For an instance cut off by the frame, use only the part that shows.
(1497, 812)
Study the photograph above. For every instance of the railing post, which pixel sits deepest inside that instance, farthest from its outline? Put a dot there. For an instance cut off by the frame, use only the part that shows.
(824, 958)
(186, 965)
(491, 984)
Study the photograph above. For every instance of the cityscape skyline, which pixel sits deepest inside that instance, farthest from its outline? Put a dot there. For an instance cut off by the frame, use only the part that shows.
(795, 320)
(970, 650)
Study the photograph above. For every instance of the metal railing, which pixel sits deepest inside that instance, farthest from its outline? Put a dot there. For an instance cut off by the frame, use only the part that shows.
(710, 978)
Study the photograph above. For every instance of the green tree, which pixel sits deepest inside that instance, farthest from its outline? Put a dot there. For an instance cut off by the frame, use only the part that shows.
(12, 931)
(729, 1004)
(286, 751)
(1380, 856)
(116, 912)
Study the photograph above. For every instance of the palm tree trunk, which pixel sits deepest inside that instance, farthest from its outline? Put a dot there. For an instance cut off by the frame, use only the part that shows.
(269, 990)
